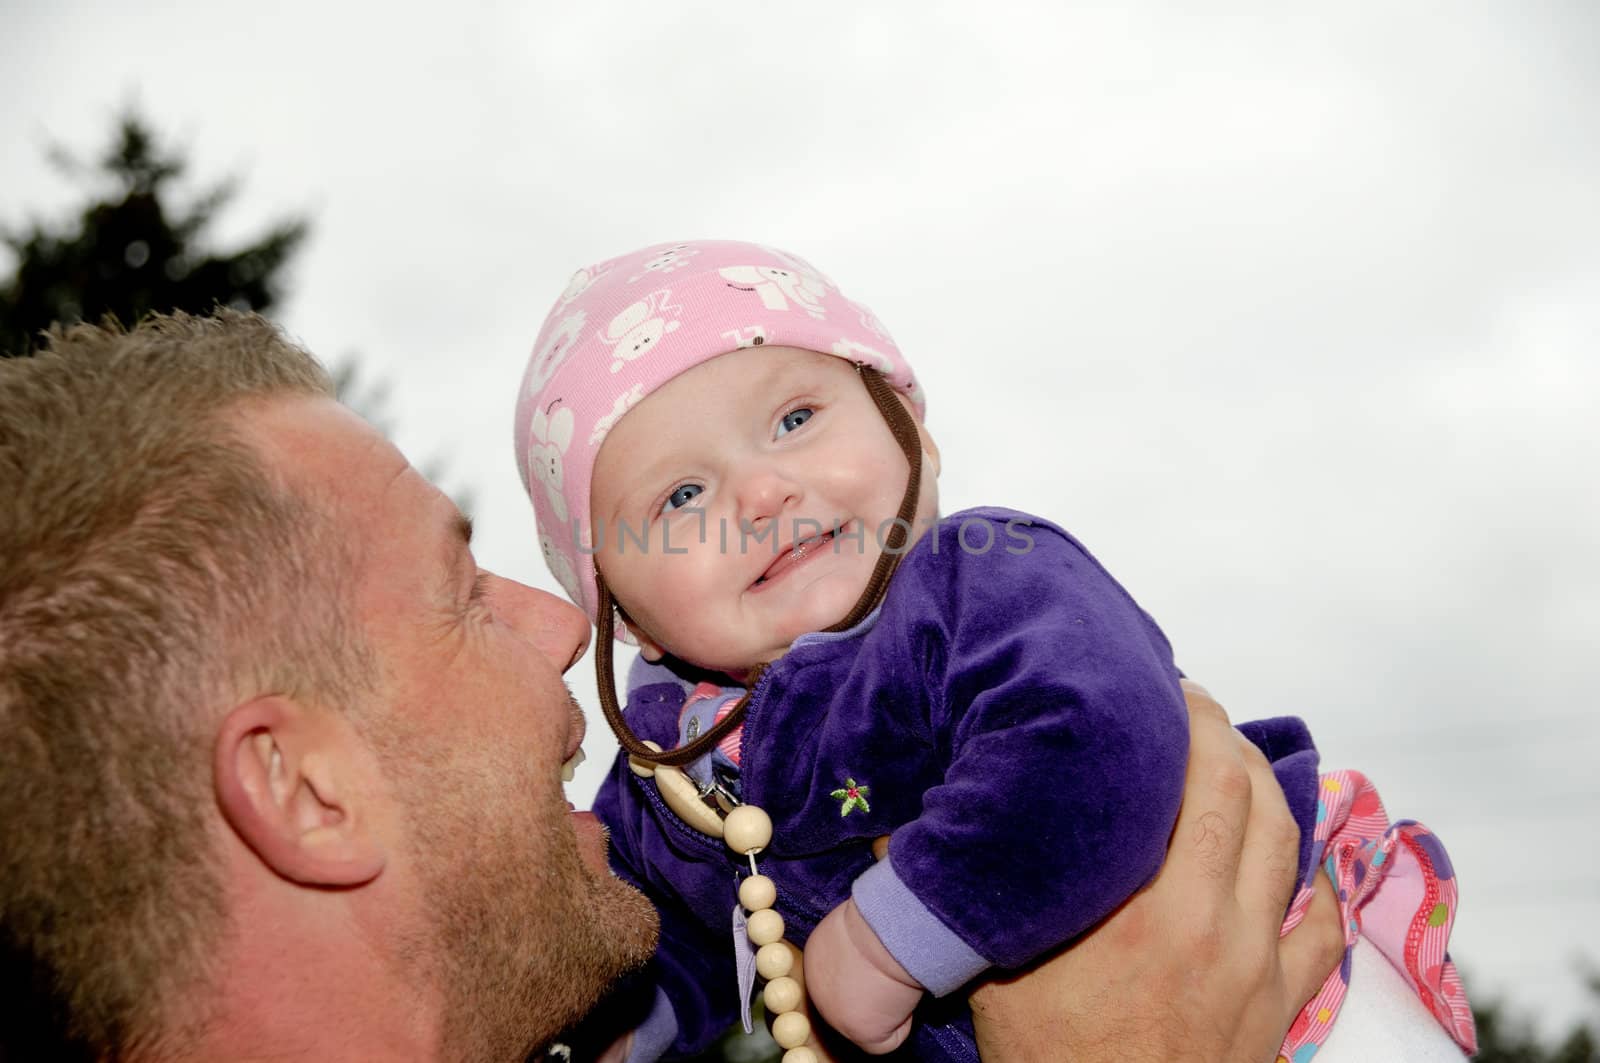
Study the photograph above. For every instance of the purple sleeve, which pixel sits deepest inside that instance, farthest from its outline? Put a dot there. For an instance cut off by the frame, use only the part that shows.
(1067, 738)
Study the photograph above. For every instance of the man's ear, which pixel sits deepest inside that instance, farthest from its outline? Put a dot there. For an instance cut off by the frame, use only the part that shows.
(288, 780)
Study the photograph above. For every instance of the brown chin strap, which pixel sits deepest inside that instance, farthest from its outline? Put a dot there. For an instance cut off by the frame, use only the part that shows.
(904, 428)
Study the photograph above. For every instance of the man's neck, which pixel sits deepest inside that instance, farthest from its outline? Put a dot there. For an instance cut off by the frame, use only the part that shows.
(299, 978)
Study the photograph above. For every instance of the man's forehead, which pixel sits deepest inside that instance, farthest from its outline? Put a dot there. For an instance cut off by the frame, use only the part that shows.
(297, 427)
(407, 541)
(329, 452)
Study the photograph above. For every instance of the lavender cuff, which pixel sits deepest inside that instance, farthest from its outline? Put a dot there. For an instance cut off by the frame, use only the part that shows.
(653, 1036)
(928, 950)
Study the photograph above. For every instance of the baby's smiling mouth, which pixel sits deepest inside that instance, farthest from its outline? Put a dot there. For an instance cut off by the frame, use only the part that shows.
(797, 554)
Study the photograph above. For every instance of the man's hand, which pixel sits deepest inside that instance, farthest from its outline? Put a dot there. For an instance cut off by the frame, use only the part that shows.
(1192, 967)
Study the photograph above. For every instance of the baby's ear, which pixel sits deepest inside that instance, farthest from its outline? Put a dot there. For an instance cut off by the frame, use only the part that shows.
(929, 447)
(649, 648)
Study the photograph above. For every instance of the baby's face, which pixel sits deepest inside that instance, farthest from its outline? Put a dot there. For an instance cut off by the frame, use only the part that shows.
(758, 482)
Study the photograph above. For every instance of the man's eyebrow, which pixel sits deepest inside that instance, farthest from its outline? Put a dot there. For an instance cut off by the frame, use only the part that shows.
(464, 528)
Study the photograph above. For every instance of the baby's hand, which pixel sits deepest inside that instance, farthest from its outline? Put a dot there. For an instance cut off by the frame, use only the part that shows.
(856, 985)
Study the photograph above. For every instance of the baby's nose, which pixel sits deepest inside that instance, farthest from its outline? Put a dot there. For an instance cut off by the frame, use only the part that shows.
(765, 492)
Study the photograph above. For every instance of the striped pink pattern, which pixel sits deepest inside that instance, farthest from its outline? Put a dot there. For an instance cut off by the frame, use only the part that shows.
(734, 740)
(1400, 870)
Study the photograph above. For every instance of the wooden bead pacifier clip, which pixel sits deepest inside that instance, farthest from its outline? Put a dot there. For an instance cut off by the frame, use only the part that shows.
(747, 830)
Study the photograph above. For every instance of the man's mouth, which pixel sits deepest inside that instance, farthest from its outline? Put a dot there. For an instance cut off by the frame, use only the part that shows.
(568, 768)
(575, 736)
(570, 765)
(797, 553)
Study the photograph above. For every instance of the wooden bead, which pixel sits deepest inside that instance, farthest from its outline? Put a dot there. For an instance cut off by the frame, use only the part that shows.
(764, 927)
(757, 892)
(781, 995)
(802, 1054)
(747, 830)
(791, 1029)
(681, 795)
(774, 961)
(797, 963)
(643, 768)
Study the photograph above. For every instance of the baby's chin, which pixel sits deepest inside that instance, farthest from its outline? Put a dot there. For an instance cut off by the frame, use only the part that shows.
(827, 606)
(761, 639)
(756, 655)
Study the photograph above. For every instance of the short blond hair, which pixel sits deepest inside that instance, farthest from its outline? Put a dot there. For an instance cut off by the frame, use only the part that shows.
(152, 571)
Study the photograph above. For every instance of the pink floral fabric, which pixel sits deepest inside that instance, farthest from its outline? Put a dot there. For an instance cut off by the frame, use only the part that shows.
(1397, 890)
(626, 326)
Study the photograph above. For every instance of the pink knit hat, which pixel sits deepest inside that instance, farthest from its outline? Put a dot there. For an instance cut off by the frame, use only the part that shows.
(626, 326)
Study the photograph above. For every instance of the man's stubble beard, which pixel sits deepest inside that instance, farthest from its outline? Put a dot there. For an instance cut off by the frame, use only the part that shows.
(521, 937)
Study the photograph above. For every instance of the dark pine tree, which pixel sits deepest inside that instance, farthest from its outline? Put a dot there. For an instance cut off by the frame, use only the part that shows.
(133, 249)
(139, 246)
(1504, 1037)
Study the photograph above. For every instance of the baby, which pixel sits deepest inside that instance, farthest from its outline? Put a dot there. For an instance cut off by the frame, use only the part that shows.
(729, 456)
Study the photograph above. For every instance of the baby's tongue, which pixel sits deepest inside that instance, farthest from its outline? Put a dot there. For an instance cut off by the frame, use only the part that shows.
(801, 550)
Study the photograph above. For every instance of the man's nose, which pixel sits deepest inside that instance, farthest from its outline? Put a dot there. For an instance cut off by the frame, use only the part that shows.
(558, 630)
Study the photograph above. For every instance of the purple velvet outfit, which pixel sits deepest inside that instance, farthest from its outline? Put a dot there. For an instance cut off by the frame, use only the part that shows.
(1010, 715)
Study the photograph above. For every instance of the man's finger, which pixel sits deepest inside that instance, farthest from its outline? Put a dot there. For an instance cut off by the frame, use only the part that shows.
(1269, 870)
(1311, 951)
(1216, 800)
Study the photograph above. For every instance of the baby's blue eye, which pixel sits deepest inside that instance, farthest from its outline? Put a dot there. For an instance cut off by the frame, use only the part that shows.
(794, 419)
(681, 497)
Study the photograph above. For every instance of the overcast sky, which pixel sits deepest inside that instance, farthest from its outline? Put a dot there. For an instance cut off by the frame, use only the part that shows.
(1292, 318)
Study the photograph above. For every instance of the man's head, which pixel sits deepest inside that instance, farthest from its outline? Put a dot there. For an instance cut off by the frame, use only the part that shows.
(262, 717)
(148, 572)
(504, 900)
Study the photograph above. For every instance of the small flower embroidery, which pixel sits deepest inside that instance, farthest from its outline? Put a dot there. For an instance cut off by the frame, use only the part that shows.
(854, 796)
